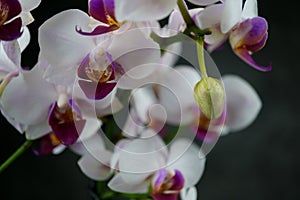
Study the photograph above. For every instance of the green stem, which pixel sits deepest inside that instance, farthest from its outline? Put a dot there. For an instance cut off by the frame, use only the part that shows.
(185, 14)
(201, 61)
(15, 155)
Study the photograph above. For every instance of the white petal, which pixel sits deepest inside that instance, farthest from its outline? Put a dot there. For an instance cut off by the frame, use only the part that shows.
(203, 2)
(60, 44)
(28, 5)
(231, 14)
(27, 18)
(6, 64)
(59, 75)
(118, 184)
(36, 131)
(176, 93)
(210, 16)
(13, 51)
(88, 145)
(250, 9)
(27, 98)
(92, 125)
(243, 103)
(188, 193)
(143, 10)
(135, 52)
(115, 106)
(24, 39)
(93, 168)
(188, 159)
(143, 98)
(176, 21)
(133, 125)
(142, 157)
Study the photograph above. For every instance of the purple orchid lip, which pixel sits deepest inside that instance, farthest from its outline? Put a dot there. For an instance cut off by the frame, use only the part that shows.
(94, 85)
(96, 91)
(166, 183)
(45, 145)
(103, 11)
(10, 28)
(245, 55)
(98, 30)
(66, 123)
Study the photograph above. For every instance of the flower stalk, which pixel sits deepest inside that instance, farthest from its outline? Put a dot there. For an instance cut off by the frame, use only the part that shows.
(26, 145)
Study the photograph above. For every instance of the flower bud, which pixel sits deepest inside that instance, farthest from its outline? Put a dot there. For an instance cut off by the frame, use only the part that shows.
(210, 97)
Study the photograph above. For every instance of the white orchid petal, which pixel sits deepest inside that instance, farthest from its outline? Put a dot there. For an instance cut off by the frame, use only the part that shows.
(188, 159)
(27, 98)
(27, 18)
(117, 183)
(143, 10)
(24, 39)
(142, 157)
(92, 125)
(135, 52)
(243, 103)
(37, 131)
(60, 44)
(210, 16)
(93, 167)
(250, 9)
(6, 64)
(13, 51)
(143, 98)
(231, 14)
(176, 94)
(176, 21)
(28, 5)
(188, 193)
(88, 145)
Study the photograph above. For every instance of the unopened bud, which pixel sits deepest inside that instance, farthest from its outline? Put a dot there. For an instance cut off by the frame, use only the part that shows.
(210, 97)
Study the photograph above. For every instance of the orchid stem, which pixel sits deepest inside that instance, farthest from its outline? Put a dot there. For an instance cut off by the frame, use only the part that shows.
(201, 61)
(15, 155)
(185, 14)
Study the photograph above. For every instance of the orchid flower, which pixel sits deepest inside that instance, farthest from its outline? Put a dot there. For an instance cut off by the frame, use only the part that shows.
(247, 32)
(147, 161)
(13, 15)
(54, 117)
(98, 61)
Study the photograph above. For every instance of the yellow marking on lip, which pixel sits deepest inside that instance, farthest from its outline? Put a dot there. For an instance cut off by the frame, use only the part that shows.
(54, 140)
(3, 13)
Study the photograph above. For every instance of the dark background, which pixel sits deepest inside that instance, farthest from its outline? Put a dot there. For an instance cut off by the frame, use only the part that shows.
(261, 162)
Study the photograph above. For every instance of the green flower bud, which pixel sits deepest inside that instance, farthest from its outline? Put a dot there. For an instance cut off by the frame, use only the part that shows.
(210, 97)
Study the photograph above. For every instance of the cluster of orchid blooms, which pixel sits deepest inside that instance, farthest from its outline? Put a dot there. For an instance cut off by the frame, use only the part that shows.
(71, 97)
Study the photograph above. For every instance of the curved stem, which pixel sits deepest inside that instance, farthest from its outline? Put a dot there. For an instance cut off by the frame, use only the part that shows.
(15, 155)
(185, 14)
(201, 61)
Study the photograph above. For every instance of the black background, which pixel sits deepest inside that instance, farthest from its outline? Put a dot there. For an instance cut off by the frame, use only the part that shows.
(261, 162)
